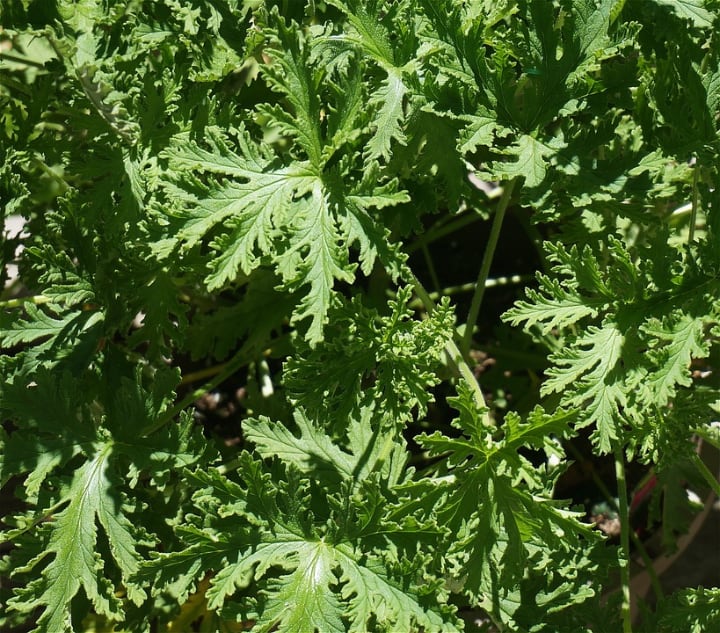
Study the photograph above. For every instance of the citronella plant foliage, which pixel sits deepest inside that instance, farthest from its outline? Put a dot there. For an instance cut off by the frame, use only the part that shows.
(220, 193)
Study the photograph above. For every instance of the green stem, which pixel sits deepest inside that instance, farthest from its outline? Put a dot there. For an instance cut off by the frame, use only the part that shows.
(624, 538)
(695, 195)
(647, 561)
(47, 513)
(201, 374)
(20, 301)
(227, 467)
(236, 362)
(485, 266)
(445, 229)
(707, 475)
(457, 361)
(448, 291)
(431, 268)
(19, 59)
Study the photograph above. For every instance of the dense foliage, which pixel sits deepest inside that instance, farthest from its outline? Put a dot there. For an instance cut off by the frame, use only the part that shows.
(222, 193)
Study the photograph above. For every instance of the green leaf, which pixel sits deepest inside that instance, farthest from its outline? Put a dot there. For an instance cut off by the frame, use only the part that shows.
(479, 132)
(290, 215)
(531, 160)
(693, 10)
(291, 74)
(316, 258)
(586, 375)
(389, 101)
(93, 495)
(398, 355)
(676, 345)
(48, 402)
(552, 307)
(74, 542)
(41, 324)
(694, 610)
(368, 30)
(311, 576)
(497, 511)
(251, 206)
(359, 224)
(375, 597)
(640, 353)
(311, 452)
(304, 600)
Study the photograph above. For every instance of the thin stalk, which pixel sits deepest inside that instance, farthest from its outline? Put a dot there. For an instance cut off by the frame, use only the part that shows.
(19, 59)
(12, 84)
(50, 173)
(707, 475)
(485, 266)
(695, 195)
(624, 538)
(445, 229)
(235, 363)
(458, 363)
(642, 550)
(448, 291)
(37, 520)
(202, 374)
(431, 268)
(21, 301)
(227, 467)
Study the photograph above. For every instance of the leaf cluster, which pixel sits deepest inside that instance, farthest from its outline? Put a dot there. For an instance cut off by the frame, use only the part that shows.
(213, 189)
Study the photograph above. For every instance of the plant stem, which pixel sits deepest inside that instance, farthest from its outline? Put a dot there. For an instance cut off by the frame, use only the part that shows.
(470, 287)
(707, 475)
(624, 537)
(47, 513)
(437, 232)
(457, 360)
(485, 266)
(201, 374)
(431, 268)
(647, 561)
(19, 59)
(241, 358)
(693, 214)
(20, 301)
(227, 467)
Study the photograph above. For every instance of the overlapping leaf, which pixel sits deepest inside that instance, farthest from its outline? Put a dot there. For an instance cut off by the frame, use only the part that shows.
(368, 358)
(531, 78)
(386, 39)
(298, 551)
(92, 498)
(164, 153)
(252, 206)
(639, 352)
(498, 509)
